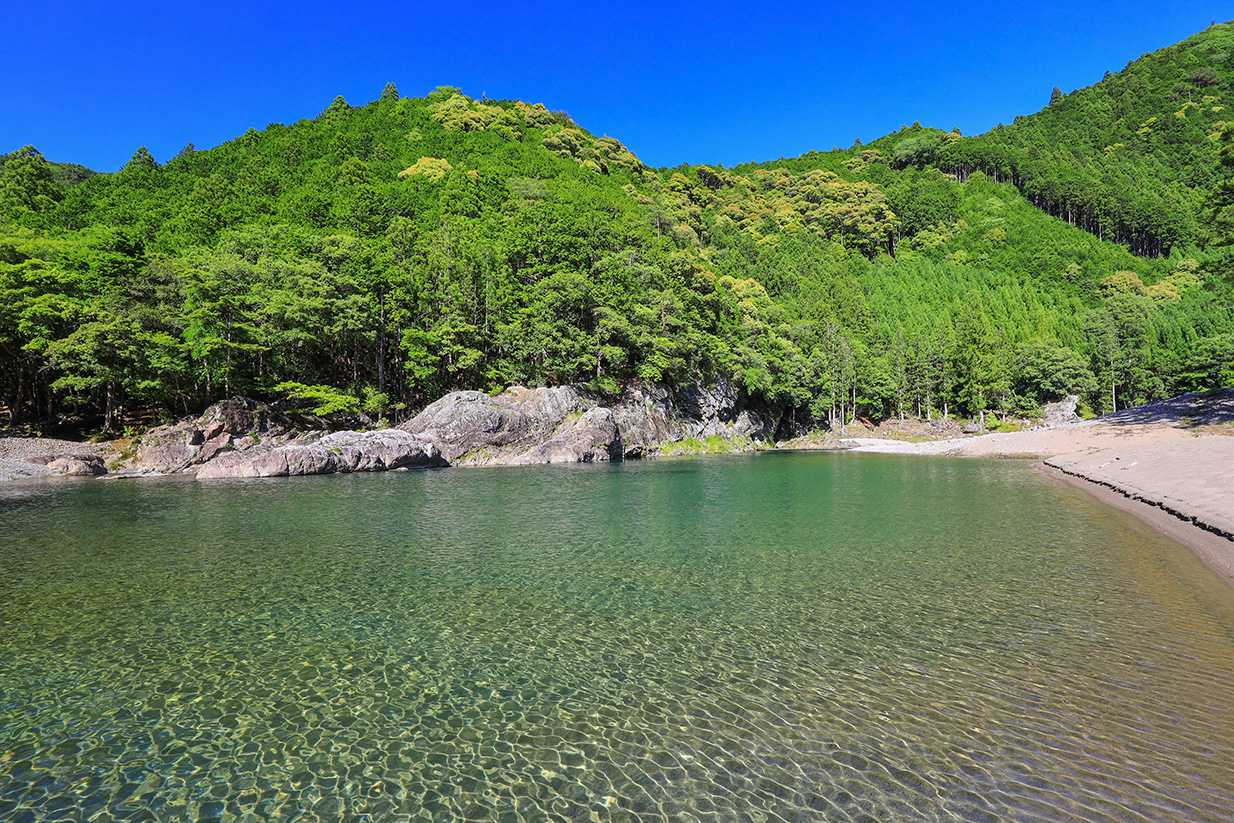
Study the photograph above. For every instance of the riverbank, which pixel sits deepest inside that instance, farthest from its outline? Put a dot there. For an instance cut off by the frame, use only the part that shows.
(1195, 531)
(1170, 463)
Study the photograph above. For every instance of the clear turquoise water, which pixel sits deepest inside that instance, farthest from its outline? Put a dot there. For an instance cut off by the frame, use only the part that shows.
(778, 637)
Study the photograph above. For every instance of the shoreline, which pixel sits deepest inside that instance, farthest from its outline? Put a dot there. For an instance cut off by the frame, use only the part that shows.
(1212, 547)
(1169, 463)
(1182, 489)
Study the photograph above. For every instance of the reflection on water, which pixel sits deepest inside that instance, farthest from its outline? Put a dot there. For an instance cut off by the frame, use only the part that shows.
(782, 637)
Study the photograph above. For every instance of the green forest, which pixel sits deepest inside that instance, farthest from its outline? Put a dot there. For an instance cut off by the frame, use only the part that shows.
(375, 257)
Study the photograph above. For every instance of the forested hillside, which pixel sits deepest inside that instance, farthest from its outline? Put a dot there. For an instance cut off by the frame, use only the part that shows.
(1131, 158)
(376, 257)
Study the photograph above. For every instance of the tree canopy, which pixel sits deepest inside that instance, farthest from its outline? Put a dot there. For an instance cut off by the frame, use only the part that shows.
(377, 256)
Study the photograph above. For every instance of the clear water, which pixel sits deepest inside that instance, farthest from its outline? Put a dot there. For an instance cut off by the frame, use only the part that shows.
(780, 637)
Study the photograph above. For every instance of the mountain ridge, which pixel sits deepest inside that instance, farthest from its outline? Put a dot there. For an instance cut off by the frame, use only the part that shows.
(381, 256)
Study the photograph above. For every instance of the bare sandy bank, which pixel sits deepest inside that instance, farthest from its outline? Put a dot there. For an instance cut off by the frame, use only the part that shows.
(1188, 501)
(1169, 463)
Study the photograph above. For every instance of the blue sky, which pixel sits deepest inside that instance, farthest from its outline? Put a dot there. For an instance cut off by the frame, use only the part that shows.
(711, 82)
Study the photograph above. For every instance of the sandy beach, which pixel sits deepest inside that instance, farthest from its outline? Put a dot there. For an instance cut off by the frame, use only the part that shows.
(1169, 463)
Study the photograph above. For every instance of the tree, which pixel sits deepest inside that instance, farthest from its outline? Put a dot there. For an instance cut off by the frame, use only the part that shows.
(100, 355)
(1048, 372)
(27, 184)
(1221, 202)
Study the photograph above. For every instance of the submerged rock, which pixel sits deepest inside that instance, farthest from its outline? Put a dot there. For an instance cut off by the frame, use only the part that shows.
(341, 452)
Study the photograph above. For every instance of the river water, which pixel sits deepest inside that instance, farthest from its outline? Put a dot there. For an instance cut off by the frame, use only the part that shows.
(761, 638)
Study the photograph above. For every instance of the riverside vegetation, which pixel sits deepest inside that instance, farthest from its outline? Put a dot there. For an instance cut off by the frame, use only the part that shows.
(376, 258)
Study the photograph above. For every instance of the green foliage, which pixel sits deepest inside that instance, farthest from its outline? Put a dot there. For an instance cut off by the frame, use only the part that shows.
(27, 185)
(322, 400)
(376, 257)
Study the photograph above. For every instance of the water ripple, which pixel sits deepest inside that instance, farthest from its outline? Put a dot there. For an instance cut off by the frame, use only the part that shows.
(773, 639)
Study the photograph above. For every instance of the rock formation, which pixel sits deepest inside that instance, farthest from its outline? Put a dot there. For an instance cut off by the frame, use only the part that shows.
(238, 423)
(1062, 413)
(341, 452)
(572, 424)
(561, 424)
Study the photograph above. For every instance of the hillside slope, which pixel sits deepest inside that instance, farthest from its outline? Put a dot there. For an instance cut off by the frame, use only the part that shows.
(374, 258)
(1131, 158)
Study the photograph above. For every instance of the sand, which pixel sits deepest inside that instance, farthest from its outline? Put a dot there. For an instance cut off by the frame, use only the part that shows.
(1170, 463)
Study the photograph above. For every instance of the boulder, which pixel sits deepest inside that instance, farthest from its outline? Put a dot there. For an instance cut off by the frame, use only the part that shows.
(1062, 413)
(347, 451)
(77, 465)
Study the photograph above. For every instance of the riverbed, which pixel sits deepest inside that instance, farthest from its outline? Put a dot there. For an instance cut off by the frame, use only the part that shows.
(774, 637)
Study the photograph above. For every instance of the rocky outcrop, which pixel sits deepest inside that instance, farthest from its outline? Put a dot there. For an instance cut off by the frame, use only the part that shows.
(476, 428)
(561, 424)
(572, 424)
(238, 423)
(1063, 412)
(341, 452)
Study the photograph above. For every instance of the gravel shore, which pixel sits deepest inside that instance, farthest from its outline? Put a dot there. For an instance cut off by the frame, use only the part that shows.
(25, 458)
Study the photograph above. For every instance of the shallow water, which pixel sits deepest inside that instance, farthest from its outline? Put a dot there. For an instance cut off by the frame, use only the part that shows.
(778, 637)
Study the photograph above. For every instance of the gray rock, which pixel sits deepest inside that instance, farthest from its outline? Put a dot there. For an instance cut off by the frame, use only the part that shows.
(77, 465)
(237, 423)
(590, 438)
(1062, 413)
(348, 451)
(475, 428)
(712, 404)
(570, 424)
(646, 418)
